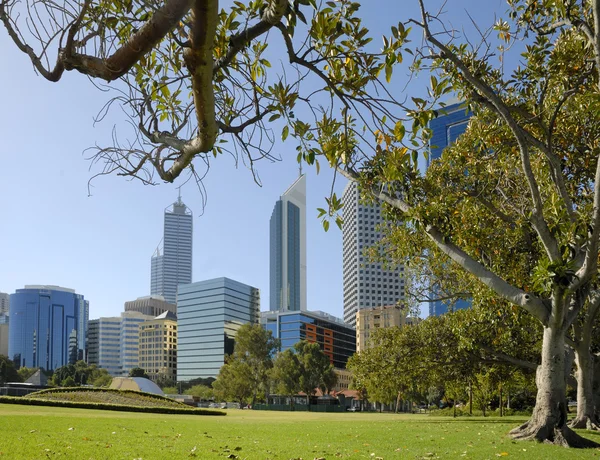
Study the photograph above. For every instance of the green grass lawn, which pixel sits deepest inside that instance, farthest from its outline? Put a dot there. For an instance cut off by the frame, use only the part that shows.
(46, 432)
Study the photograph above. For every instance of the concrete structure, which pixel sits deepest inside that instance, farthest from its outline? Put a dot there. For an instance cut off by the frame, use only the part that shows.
(366, 284)
(4, 303)
(288, 250)
(136, 384)
(209, 313)
(446, 128)
(173, 266)
(48, 327)
(344, 379)
(152, 305)
(158, 346)
(114, 342)
(336, 338)
(369, 319)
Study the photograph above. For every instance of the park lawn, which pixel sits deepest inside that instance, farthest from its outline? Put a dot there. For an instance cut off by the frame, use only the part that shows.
(45, 432)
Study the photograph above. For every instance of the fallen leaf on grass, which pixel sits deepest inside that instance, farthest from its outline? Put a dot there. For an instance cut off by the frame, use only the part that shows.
(502, 454)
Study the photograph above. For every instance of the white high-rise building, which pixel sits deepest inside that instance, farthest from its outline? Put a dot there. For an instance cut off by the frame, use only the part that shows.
(4, 303)
(366, 284)
(174, 266)
(114, 342)
(288, 250)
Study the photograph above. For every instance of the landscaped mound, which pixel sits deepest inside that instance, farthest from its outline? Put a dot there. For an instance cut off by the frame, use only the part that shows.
(107, 399)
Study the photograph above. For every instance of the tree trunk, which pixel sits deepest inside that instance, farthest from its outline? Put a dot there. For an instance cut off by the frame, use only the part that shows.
(586, 416)
(470, 398)
(501, 409)
(548, 422)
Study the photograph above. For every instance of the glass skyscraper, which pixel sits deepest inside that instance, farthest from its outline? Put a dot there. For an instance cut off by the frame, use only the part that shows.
(209, 313)
(48, 327)
(288, 250)
(446, 128)
(174, 266)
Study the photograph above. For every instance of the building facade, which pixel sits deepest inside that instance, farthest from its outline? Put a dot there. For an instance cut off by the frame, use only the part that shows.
(114, 342)
(370, 319)
(288, 250)
(209, 313)
(365, 284)
(4, 303)
(336, 338)
(152, 305)
(174, 266)
(158, 346)
(48, 327)
(4, 339)
(446, 128)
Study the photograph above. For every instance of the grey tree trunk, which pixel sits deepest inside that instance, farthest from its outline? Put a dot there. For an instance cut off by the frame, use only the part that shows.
(586, 407)
(548, 422)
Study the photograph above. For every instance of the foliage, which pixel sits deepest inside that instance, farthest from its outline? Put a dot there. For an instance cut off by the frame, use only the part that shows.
(232, 383)
(8, 373)
(138, 372)
(170, 390)
(200, 391)
(26, 372)
(248, 367)
(286, 373)
(81, 373)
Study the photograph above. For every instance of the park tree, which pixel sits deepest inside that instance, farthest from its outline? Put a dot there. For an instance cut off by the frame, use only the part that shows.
(200, 391)
(138, 372)
(315, 368)
(256, 347)
(285, 374)
(232, 382)
(521, 182)
(8, 373)
(26, 372)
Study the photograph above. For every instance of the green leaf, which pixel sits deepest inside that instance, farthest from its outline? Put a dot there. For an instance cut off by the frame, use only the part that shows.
(285, 132)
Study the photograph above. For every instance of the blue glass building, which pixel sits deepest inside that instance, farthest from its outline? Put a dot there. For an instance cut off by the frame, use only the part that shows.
(288, 250)
(446, 128)
(174, 266)
(336, 339)
(48, 327)
(209, 314)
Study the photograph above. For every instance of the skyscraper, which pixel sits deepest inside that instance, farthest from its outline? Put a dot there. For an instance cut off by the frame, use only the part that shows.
(48, 327)
(365, 284)
(4, 303)
(451, 123)
(288, 250)
(174, 266)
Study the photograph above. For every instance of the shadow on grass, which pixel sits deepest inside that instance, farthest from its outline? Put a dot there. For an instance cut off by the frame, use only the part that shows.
(477, 420)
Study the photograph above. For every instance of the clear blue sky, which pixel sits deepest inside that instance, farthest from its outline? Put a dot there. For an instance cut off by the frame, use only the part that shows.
(52, 232)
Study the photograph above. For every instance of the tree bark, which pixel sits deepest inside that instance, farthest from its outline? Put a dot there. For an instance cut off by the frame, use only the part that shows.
(548, 422)
(586, 414)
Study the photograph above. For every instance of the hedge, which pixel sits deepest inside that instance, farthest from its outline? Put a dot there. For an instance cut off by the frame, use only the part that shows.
(106, 406)
(103, 390)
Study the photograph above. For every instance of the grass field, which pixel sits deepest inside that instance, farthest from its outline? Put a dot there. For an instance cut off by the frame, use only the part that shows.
(40, 433)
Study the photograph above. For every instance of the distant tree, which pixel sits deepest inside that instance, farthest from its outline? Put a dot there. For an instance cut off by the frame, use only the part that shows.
(316, 371)
(163, 380)
(8, 373)
(68, 382)
(232, 383)
(200, 391)
(103, 379)
(138, 372)
(170, 390)
(255, 346)
(286, 374)
(26, 372)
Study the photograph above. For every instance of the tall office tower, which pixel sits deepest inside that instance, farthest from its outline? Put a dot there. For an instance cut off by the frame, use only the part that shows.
(152, 305)
(174, 266)
(114, 342)
(288, 250)
(451, 123)
(209, 313)
(48, 327)
(365, 284)
(370, 319)
(4, 303)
